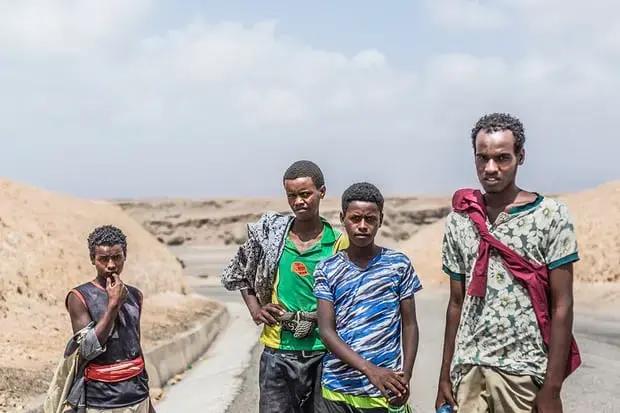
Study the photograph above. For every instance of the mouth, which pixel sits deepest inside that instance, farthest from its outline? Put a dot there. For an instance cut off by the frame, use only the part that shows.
(491, 180)
(361, 235)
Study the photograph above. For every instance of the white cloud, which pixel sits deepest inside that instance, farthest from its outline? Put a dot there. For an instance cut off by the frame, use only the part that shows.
(241, 101)
(66, 26)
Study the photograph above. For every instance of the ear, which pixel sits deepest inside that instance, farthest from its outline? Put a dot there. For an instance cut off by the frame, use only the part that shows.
(92, 260)
(322, 191)
(342, 218)
(380, 220)
(521, 157)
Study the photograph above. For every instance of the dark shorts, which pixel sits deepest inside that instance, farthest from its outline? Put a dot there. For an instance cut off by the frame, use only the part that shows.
(290, 381)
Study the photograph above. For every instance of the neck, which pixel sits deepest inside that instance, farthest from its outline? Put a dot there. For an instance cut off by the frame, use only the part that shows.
(503, 198)
(368, 252)
(308, 226)
(101, 280)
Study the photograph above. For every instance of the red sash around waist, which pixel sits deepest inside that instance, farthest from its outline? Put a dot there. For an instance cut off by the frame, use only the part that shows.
(112, 373)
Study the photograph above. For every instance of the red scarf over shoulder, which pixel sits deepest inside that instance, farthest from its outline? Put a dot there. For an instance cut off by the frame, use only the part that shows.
(534, 277)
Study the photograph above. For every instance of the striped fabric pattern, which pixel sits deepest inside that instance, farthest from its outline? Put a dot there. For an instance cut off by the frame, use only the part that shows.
(367, 310)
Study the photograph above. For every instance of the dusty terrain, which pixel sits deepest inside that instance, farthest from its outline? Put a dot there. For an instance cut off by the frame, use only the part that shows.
(43, 253)
(223, 221)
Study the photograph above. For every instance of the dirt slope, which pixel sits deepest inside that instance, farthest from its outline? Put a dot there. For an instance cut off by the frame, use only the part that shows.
(43, 253)
(223, 221)
(596, 215)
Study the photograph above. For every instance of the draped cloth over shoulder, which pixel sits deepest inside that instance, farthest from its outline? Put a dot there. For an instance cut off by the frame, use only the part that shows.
(66, 390)
(534, 277)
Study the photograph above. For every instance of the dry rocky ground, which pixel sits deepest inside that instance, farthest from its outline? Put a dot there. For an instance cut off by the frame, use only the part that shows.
(43, 253)
(223, 221)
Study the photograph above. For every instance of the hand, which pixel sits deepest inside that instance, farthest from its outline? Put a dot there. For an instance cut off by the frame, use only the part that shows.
(444, 394)
(267, 314)
(117, 292)
(400, 401)
(390, 383)
(548, 401)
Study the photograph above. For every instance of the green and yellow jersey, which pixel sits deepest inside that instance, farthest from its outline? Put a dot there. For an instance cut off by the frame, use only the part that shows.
(293, 287)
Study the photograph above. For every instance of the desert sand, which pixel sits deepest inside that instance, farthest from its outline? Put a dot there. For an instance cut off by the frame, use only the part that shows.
(43, 254)
(223, 221)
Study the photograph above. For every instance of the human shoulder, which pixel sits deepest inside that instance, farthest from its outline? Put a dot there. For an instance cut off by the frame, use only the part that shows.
(328, 264)
(551, 211)
(134, 290)
(455, 218)
(396, 259)
(269, 222)
(271, 218)
(554, 205)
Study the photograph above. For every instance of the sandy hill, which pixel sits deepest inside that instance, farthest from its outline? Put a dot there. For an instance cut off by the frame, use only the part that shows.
(43, 253)
(223, 221)
(596, 214)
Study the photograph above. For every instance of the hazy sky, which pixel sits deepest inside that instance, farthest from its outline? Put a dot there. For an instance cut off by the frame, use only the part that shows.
(122, 98)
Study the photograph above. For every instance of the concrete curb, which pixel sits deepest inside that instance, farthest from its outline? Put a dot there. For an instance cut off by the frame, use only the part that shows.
(172, 357)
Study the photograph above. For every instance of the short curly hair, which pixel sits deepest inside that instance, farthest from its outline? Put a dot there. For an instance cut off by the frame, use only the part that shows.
(106, 235)
(497, 122)
(362, 191)
(305, 169)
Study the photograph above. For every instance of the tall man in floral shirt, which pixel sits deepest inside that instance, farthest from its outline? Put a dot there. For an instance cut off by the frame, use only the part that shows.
(502, 353)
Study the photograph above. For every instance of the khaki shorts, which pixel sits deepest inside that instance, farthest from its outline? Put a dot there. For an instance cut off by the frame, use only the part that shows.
(488, 390)
(142, 407)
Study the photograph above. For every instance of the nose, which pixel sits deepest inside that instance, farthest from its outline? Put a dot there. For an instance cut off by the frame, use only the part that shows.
(299, 201)
(490, 167)
(111, 265)
(363, 226)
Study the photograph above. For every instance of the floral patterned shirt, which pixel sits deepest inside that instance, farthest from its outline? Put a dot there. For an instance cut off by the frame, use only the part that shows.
(500, 330)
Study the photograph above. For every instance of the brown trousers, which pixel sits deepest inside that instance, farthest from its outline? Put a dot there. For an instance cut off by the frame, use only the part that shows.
(142, 407)
(487, 390)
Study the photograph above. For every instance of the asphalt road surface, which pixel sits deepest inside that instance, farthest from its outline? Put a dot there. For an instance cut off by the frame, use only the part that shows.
(592, 388)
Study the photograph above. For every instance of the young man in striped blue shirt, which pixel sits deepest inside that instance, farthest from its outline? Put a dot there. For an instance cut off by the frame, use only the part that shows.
(366, 312)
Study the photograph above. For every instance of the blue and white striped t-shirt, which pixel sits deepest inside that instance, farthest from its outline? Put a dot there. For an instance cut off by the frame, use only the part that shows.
(367, 310)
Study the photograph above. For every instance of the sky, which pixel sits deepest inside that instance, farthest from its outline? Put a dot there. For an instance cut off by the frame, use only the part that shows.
(154, 98)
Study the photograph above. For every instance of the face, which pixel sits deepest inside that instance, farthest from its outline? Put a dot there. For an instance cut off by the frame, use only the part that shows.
(108, 260)
(303, 197)
(362, 221)
(496, 161)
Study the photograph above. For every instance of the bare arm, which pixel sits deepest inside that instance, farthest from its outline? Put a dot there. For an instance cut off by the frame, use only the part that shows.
(561, 283)
(261, 314)
(453, 318)
(410, 335)
(80, 317)
(383, 379)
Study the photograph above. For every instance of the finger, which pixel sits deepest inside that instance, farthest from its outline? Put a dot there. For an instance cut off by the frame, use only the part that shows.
(395, 392)
(269, 318)
(400, 389)
(398, 381)
(384, 391)
(115, 277)
(278, 307)
(108, 283)
(274, 309)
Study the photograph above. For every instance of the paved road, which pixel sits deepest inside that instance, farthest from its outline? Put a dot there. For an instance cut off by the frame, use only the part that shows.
(593, 388)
